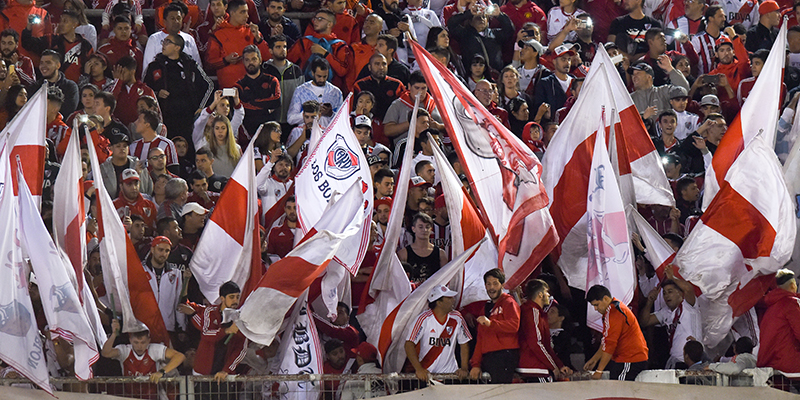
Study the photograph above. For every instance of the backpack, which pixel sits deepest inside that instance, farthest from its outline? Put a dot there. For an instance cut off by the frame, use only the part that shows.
(327, 45)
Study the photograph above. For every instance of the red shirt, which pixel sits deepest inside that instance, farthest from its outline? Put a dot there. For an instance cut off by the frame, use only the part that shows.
(126, 110)
(536, 354)
(229, 39)
(212, 197)
(280, 240)
(529, 12)
(141, 207)
(622, 337)
(502, 334)
(208, 320)
(115, 49)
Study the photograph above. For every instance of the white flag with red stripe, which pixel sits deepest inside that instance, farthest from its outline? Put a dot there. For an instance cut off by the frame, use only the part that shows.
(759, 115)
(69, 227)
(641, 176)
(300, 354)
(20, 343)
(466, 229)
(745, 235)
(331, 167)
(392, 340)
(56, 279)
(261, 315)
(25, 137)
(659, 252)
(610, 257)
(230, 247)
(123, 274)
(503, 171)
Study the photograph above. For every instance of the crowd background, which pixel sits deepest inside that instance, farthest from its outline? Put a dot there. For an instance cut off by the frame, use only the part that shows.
(173, 100)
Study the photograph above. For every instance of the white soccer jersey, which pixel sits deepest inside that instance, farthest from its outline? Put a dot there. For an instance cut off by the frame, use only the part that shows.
(744, 11)
(435, 341)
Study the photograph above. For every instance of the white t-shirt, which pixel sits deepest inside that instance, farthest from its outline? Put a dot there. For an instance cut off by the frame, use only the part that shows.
(565, 84)
(430, 335)
(687, 123)
(556, 19)
(685, 320)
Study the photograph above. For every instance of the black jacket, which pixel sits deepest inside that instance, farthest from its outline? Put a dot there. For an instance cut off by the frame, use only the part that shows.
(68, 87)
(472, 42)
(549, 91)
(188, 86)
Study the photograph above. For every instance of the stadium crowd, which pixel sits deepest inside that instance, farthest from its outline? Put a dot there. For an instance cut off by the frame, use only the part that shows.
(169, 136)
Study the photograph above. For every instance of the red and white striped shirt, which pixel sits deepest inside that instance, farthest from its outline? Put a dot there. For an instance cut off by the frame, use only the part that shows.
(705, 47)
(141, 149)
(435, 340)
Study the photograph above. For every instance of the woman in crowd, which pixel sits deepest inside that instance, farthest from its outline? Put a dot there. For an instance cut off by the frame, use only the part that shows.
(221, 106)
(16, 98)
(478, 70)
(518, 115)
(218, 137)
(86, 106)
(508, 87)
(438, 36)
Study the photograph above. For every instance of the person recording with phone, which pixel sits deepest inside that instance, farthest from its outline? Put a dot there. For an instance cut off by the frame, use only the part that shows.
(656, 39)
(699, 147)
(478, 37)
(649, 99)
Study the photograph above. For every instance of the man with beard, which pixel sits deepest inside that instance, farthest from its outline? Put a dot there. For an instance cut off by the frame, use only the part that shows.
(346, 27)
(49, 70)
(552, 89)
(179, 254)
(194, 220)
(166, 282)
(131, 202)
(75, 48)
(227, 43)
(288, 73)
(259, 92)
(278, 24)
(323, 45)
(383, 207)
(273, 185)
(385, 88)
(393, 24)
(734, 64)
(319, 89)
(173, 23)
(497, 346)
(9, 44)
(280, 240)
(364, 48)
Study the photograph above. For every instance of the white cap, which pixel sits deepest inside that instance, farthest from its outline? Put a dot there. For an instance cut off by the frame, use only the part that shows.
(189, 207)
(439, 292)
(363, 120)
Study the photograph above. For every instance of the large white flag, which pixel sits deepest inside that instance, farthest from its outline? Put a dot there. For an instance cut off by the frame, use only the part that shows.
(20, 343)
(331, 167)
(745, 235)
(56, 279)
(300, 354)
(230, 246)
(69, 226)
(610, 257)
(25, 137)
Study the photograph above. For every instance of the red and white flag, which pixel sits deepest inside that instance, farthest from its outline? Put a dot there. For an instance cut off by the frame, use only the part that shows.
(503, 171)
(69, 227)
(261, 315)
(331, 167)
(745, 235)
(466, 229)
(230, 247)
(396, 326)
(641, 176)
(20, 343)
(66, 317)
(300, 354)
(759, 115)
(610, 257)
(25, 137)
(389, 284)
(659, 252)
(791, 174)
(123, 273)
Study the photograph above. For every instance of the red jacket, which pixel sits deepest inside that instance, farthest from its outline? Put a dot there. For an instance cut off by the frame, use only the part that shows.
(115, 49)
(346, 28)
(229, 39)
(101, 145)
(536, 355)
(735, 71)
(529, 12)
(622, 337)
(502, 334)
(208, 320)
(126, 110)
(780, 332)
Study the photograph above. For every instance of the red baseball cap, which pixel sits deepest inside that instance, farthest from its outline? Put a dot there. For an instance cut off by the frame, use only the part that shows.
(160, 239)
(366, 351)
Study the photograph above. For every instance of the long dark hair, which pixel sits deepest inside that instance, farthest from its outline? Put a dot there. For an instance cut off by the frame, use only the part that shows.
(431, 43)
(10, 104)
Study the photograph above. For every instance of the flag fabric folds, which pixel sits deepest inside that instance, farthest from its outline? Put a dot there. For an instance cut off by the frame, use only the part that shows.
(641, 176)
(56, 280)
(263, 312)
(25, 137)
(610, 256)
(230, 246)
(746, 234)
(300, 353)
(123, 273)
(759, 115)
(503, 171)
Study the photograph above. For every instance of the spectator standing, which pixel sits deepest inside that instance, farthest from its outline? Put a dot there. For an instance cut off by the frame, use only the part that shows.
(558, 17)
(780, 326)
(763, 34)
(318, 89)
(651, 100)
(734, 64)
(346, 28)
(277, 24)
(72, 45)
(537, 359)
(553, 89)
(204, 160)
(127, 90)
(166, 281)
(146, 126)
(274, 182)
(323, 44)
(365, 47)
(387, 45)
(131, 202)
(497, 346)
(200, 193)
(396, 119)
(424, 257)
(628, 30)
(477, 37)
(259, 92)
(176, 194)
(280, 240)
(173, 25)
(16, 16)
(289, 75)
(227, 43)
(50, 71)
(423, 19)
(122, 45)
(119, 161)
(522, 11)
(705, 42)
(385, 88)
(9, 50)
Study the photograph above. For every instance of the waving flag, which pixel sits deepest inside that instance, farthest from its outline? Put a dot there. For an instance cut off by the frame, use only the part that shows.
(20, 344)
(388, 284)
(503, 171)
(610, 257)
(746, 234)
(396, 325)
(759, 115)
(69, 227)
(56, 279)
(25, 137)
(633, 155)
(230, 246)
(300, 354)
(466, 229)
(123, 273)
(262, 314)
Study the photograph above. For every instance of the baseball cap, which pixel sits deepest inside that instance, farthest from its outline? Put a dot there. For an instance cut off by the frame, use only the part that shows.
(610, 45)
(439, 202)
(768, 7)
(709, 100)
(160, 239)
(532, 43)
(366, 351)
(678, 92)
(193, 207)
(564, 49)
(118, 137)
(440, 291)
(130, 175)
(417, 181)
(642, 66)
(372, 160)
(723, 40)
(363, 120)
(386, 200)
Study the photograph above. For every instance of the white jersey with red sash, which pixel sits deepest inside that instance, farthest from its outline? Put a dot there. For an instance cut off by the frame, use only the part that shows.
(736, 11)
(435, 340)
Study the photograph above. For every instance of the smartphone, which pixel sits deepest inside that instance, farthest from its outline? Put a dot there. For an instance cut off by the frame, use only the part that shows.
(11, 69)
(712, 79)
(616, 59)
(530, 32)
(229, 92)
(675, 33)
(34, 19)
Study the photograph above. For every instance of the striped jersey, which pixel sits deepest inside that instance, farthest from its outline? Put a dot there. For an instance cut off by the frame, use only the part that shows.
(435, 341)
(141, 149)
